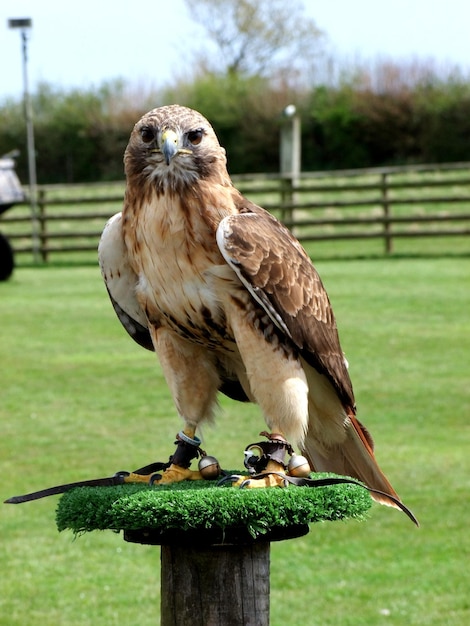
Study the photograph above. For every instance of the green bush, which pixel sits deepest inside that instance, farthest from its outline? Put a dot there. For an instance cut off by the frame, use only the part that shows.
(81, 134)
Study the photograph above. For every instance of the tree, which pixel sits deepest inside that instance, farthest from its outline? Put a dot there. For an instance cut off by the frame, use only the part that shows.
(258, 37)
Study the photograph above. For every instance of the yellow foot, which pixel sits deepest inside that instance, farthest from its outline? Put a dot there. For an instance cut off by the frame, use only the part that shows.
(272, 476)
(174, 474)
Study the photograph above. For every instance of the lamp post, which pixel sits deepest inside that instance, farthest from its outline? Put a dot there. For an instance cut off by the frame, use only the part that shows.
(24, 25)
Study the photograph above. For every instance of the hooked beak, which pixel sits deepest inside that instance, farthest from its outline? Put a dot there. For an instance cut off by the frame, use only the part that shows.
(169, 145)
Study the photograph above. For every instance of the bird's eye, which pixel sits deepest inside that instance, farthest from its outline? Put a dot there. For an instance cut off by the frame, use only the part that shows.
(147, 134)
(195, 136)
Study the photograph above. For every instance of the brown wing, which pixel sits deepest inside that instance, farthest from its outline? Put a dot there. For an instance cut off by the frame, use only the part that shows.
(277, 271)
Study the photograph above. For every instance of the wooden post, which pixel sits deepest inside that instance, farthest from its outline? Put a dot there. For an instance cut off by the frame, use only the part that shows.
(386, 210)
(42, 226)
(223, 585)
(214, 577)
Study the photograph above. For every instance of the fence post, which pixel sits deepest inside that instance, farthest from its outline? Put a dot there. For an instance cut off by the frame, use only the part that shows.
(386, 213)
(42, 225)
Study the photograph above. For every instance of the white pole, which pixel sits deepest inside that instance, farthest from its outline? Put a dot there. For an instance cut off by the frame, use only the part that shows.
(24, 24)
(28, 111)
(290, 155)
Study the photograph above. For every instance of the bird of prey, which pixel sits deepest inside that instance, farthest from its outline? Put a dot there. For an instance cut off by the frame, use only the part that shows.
(229, 301)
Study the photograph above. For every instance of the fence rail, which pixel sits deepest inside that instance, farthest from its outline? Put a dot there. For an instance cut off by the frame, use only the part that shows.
(379, 203)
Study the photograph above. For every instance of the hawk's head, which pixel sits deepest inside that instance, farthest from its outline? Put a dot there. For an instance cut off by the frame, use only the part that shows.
(172, 148)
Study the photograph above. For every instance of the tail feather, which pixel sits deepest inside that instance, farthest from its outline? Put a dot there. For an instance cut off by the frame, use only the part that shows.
(337, 442)
(354, 457)
(349, 458)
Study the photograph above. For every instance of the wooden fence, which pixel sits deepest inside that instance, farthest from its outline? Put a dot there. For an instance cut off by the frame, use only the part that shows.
(384, 204)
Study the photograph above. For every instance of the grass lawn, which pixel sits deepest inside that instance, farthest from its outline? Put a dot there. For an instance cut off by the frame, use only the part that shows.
(81, 400)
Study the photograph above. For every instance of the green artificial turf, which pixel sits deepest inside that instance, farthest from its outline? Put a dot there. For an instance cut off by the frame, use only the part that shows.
(202, 505)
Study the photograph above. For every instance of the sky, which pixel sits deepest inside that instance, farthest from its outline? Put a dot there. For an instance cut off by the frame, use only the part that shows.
(83, 44)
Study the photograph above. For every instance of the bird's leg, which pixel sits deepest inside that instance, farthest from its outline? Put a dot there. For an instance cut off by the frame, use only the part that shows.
(187, 449)
(277, 382)
(194, 390)
(269, 468)
(177, 468)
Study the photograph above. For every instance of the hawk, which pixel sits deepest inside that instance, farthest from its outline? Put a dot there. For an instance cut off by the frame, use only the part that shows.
(229, 301)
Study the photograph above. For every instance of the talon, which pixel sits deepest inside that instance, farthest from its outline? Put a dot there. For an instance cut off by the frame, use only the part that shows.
(122, 473)
(230, 478)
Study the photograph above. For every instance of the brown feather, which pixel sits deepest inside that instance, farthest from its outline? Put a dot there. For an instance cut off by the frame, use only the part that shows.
(294, 289)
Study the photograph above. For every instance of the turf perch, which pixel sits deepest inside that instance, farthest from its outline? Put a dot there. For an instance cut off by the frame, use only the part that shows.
(202, 506)
(209, 538)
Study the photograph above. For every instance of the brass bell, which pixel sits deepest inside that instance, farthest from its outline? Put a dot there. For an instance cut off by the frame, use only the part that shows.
(209, 467)
(298, 466)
